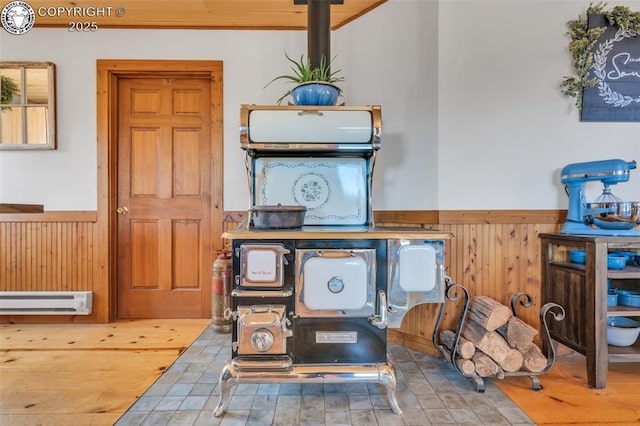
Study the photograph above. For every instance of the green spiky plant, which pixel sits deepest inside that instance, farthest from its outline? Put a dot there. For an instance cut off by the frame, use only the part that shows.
(303, 72)
(8, 88)
(583, 39)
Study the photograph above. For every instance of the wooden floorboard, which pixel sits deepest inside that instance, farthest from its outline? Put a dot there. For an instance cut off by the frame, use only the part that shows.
(567, 399)
(92, 374)
(84, 374)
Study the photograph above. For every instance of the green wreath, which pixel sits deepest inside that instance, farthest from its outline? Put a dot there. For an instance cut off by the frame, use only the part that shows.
(583, 39)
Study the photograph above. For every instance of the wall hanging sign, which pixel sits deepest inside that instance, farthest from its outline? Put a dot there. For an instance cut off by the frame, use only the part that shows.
(616, 66)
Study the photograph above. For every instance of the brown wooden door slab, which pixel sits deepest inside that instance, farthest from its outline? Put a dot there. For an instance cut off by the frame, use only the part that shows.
(164, 189)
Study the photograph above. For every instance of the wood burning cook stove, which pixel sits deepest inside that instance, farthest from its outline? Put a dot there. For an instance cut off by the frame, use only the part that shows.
(313, 304)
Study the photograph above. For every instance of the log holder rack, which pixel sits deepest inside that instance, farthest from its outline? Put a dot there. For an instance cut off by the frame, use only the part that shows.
(455, 291)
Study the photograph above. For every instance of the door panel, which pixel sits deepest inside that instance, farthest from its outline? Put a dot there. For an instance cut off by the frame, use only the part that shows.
(186, 235)
(164, 180)
(144, 246)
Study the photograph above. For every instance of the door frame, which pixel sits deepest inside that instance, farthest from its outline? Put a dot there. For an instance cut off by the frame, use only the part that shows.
(108, 73)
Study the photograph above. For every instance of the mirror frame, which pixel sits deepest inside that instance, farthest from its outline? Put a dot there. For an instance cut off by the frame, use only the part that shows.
(51, 105)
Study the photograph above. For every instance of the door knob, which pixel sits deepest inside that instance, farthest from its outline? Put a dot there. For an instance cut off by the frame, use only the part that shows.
(122, 210)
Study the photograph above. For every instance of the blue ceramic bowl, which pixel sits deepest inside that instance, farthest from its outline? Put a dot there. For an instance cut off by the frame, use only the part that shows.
(577, 256)
(629, 300)
(629, 255)
(622, 331)
(612, 299)
(315, 93)
(616, 262)
(625, 291)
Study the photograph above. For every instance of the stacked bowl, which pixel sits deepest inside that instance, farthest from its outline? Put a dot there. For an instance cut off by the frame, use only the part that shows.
(622, 331)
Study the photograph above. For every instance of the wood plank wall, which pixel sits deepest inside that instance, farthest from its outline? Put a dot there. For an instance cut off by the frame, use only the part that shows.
(494, 253)
(49, 252)
(496, 260)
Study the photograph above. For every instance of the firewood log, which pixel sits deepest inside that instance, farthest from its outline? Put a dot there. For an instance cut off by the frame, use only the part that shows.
(534, 360)
(492, 344)
(488, 312)
(465, 348)
(484, 365)
(466, 366)
(518, 334)
(512, 360)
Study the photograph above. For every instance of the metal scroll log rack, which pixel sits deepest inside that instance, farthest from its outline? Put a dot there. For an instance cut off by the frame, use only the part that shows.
(455, 291)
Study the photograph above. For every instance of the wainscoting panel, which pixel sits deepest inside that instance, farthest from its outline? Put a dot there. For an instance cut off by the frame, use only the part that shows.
(49, 252)
(495, 260)
(493, 253)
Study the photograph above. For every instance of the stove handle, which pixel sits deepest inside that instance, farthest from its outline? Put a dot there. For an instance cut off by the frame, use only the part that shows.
(260, 309)
(380, 320)
(338, 254)
(286, 331)
(310, 112)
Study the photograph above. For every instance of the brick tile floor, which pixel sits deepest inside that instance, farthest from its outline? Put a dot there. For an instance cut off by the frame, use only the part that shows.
(430, 392)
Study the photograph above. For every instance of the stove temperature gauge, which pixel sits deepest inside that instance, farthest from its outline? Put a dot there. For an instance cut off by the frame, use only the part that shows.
(262, 340)
(335, 284)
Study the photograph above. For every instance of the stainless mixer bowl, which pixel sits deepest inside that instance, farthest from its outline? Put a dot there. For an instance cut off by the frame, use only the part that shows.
(622, 215)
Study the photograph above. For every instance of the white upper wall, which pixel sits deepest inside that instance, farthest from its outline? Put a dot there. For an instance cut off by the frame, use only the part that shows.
(505, 128)
(65, 179)
(472, 114)
(392, 61)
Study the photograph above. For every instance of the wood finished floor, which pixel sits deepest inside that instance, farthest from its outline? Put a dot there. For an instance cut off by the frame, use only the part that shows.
(91, 375)
(84, 374)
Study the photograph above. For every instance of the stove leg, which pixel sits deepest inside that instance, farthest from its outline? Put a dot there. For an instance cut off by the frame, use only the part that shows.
(228, 379)
(388, 379)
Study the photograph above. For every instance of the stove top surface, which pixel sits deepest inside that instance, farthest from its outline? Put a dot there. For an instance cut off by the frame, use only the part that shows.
(337, 232)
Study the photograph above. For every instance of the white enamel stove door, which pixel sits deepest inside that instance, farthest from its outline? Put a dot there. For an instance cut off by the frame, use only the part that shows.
(334, 190)
(335, 282)
(295, 126)
(262, 265)
(415, 276)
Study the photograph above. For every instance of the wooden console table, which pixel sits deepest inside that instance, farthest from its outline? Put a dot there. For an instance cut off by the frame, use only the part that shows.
(582, 291)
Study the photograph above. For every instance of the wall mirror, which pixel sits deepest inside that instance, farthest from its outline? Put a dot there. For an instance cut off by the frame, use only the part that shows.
(27, 105)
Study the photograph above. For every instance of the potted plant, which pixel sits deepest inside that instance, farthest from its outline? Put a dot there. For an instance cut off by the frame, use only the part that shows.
(314, 85)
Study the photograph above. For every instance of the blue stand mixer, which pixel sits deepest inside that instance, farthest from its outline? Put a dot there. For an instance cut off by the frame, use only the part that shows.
(608, 215)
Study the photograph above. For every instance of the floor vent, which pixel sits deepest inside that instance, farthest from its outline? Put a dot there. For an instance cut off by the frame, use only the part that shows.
(45, 302)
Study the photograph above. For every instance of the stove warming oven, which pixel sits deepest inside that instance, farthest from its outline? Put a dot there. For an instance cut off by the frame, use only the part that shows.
(313, 304)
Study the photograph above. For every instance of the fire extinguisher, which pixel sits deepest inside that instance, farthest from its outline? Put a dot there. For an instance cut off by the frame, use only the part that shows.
(221, 291)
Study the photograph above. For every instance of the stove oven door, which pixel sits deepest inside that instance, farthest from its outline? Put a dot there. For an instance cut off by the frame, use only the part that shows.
(335, 282)
(335, 300)
(415, 276)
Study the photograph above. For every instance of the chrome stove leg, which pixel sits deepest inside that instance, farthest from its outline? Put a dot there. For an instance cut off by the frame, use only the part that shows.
(388, 379)
(228, 379)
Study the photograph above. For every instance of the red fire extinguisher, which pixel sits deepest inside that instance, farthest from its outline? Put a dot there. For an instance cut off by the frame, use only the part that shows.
(221, 291)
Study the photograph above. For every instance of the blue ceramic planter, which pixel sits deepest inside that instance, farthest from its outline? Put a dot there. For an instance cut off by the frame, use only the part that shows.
(315, 93)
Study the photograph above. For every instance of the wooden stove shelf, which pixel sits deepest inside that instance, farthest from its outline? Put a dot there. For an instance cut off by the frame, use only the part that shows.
(336, 232)
(582, 290)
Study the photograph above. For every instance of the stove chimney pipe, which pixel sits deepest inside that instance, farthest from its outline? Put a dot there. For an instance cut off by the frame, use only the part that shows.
(318, 31)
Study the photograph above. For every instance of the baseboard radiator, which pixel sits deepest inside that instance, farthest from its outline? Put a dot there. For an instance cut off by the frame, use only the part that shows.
(45, 302)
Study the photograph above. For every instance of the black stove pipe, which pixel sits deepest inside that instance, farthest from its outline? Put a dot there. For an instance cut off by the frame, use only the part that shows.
(318, 31)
